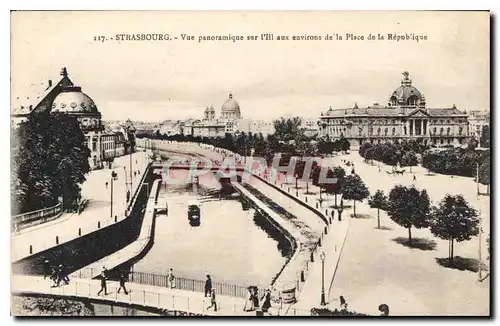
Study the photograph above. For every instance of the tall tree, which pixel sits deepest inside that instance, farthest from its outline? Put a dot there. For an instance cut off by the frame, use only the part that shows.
(454, 220)
(408, 207)
(484, 141)
(286, 129)
(50, 160)
(378, 201)
(354, 189)
(409, 159)
(339, 173)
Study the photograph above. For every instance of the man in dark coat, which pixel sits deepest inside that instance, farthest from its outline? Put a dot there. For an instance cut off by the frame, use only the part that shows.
(103, 277)
(208, 286)
(123, 279)
(46, 268)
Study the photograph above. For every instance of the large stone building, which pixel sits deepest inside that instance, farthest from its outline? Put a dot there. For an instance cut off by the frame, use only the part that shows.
(478, 119)
(64, 97)
(406, 116)
(229, 122)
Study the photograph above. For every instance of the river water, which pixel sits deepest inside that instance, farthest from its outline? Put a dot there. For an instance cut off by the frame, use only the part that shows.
(233, 244)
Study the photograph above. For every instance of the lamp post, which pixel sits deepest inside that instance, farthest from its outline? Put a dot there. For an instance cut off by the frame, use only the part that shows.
(322, 257)
(113, 177)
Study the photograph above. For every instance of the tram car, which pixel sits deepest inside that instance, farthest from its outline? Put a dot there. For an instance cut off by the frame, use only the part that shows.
(194, 213)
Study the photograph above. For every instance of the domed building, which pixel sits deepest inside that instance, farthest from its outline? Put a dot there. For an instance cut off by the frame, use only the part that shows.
(64, 97)
(405, 117)
(230, 122)
(230, 109)
(73, 101)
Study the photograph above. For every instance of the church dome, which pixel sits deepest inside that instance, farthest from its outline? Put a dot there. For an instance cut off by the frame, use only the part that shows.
(73, 100)
(230, 108)
(406, 93)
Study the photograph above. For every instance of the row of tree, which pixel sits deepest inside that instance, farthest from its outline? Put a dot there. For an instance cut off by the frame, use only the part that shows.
(288, 140)
(459, 161)
(452, 219)
(389, 153)
(49, 162)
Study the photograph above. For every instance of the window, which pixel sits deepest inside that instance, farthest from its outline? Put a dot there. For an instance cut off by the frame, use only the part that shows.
(393, 131)
(441, 131)
(448, 131)
(434, 130)
(449, 141)
(385, 131)
(442, 141)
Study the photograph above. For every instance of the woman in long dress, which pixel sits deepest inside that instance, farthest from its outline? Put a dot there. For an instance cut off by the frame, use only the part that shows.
(249, 302)
(267, 301)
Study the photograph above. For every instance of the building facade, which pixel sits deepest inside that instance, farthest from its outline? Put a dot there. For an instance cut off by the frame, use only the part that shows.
(229, 122)
(478, 119)
(405, 117)
(64, 97)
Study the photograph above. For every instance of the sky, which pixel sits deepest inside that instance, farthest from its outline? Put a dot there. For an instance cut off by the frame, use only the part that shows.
(155, 81)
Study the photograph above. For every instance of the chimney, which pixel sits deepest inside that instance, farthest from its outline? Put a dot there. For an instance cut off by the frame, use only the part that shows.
(50, 82)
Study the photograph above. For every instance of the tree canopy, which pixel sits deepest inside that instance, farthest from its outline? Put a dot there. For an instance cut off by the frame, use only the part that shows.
(378, 201)
(454, 220)
(353, 188)
(49, 161)
(409, 208)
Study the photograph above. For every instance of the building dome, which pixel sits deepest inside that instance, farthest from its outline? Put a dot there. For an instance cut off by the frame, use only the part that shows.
(406, 93)
(231, 108)
(73, 100)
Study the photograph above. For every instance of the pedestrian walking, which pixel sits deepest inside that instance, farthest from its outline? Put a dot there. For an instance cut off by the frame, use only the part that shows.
(249, 302)
(213, 301)
(414, 178)
(103, 277)
(171, 279)
(46, 269)
(255, 297)
(106, 185)
(343, 304)
(54, 277)
(267, 301)
(208, 286)
(123, 279)
(63, 276)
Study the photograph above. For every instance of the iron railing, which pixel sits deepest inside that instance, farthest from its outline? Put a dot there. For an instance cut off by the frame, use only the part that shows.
(180, 283)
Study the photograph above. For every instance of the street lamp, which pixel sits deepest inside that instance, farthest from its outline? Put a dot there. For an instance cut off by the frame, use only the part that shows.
(322, 257)
(113, 177)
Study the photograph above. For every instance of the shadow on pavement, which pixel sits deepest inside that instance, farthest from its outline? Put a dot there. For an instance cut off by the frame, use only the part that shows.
(461, 263)
(361, 216)
(383, 228)
(417, 243)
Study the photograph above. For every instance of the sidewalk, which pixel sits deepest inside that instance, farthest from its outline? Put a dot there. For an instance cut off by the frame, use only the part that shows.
(132, 250)
(65, 228)
(139, 294)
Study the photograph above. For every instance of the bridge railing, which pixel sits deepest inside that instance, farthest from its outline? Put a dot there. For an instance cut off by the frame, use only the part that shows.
(40, 216)
(180, 283)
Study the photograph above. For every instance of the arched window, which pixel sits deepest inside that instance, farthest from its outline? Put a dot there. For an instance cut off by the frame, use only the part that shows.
(441, 131)
(393, 131)
(434, 130)
(378, 131)
(448, 131)
(385, 131)
(370, 131)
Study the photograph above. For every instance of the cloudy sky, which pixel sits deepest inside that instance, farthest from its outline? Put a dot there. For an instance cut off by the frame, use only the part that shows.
(153, 81)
